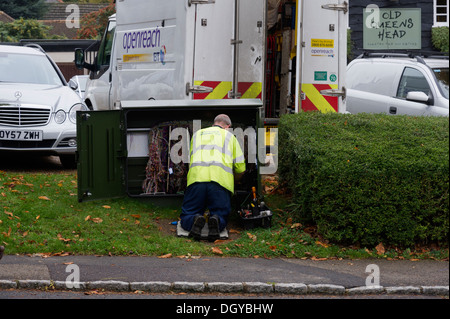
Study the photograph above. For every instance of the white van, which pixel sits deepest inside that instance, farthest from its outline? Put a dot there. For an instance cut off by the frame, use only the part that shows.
(398, 84)
(173, 50)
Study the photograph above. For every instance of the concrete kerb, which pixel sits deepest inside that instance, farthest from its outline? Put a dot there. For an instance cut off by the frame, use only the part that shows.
(223, 287)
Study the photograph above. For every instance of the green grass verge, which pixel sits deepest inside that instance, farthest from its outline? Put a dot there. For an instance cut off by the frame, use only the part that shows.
(40, 214)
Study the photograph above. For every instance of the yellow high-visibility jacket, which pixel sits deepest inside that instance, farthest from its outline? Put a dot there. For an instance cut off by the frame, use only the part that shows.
(215, 154)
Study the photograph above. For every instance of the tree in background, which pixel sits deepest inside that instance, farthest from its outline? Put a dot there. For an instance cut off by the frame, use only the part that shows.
(24, 29)
(27, 9)
(93, 24)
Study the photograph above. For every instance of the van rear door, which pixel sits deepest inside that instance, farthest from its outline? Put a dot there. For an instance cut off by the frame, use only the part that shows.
(229, 49)
(323, 53)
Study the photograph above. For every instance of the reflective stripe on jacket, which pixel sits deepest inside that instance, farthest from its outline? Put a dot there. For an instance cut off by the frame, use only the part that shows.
(215, 154)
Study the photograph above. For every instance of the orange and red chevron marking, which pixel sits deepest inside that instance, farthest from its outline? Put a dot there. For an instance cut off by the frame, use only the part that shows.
(249, 90)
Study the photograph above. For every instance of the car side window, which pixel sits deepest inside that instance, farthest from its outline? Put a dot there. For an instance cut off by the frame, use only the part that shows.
(413, 80)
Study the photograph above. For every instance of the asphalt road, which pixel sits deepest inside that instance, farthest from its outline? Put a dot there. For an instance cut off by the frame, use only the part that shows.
(347, 273)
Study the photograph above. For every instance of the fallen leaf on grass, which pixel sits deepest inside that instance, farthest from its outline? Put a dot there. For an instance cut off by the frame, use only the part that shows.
(296, 225)
(318, 258)
(96, 220)
(380, 249)
(106, 206)
(251, 236)
(7, 234)
(61, 254)
(217, 250)
(63, 239)
(322, 244)
(165, 256)
(44, 198)
(221, 241)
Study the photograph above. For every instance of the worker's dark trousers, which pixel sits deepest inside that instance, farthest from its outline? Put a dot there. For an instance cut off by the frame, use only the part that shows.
(199, 196)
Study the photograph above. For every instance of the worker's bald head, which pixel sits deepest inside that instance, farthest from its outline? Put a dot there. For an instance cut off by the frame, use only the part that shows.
(222, 120)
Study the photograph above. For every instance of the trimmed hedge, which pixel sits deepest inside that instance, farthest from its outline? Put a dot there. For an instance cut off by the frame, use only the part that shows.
(439, 38)
(368, 178)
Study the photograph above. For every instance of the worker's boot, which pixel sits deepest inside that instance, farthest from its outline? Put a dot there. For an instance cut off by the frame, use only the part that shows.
(199, 223)
(213, 226)
(2, 249)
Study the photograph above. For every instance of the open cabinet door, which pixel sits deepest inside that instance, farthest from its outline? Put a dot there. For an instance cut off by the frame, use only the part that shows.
(101, 155)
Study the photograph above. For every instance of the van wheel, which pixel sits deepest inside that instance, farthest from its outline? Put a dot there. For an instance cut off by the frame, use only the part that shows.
(68, 161)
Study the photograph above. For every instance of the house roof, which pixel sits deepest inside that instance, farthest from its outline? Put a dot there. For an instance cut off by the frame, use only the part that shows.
(56, 16)
(57, 11)
(5, 18)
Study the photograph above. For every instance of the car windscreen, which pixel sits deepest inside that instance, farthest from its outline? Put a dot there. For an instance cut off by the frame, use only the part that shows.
(442, 77)
(27, 68)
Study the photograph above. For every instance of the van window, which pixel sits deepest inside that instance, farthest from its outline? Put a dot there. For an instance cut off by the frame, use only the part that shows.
(377, 78)
(413, 80)
(104, 53)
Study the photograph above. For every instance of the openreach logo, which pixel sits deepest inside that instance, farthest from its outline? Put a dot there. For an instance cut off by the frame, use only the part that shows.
(73, 19)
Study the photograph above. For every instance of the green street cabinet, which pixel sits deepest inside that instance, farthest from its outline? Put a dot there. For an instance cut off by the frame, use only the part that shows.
(142, 149)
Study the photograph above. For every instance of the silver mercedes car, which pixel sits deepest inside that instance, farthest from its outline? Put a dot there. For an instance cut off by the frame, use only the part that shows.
(37, 107)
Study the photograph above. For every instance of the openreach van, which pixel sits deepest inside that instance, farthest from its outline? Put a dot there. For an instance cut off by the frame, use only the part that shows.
(164, 69)
(173, 50)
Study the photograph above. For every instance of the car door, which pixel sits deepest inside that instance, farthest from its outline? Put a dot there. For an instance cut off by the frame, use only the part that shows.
(412, 80)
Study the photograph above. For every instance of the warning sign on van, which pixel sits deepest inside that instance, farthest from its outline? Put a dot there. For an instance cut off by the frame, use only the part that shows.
(136, 58)
(320, 76)
(322, 43)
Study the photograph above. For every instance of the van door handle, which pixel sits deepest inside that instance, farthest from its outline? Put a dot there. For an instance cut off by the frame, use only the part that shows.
(392, 110)
(197, 89)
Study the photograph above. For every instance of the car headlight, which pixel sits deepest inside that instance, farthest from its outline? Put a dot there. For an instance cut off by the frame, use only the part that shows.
(73, 112)
(60, 117)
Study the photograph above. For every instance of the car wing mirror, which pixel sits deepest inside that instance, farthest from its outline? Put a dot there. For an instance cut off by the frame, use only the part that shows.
(417, 96)
(73, 85)
(80, 62)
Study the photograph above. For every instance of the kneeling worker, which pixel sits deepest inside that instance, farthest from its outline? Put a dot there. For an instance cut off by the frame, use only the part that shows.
(215, 156)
